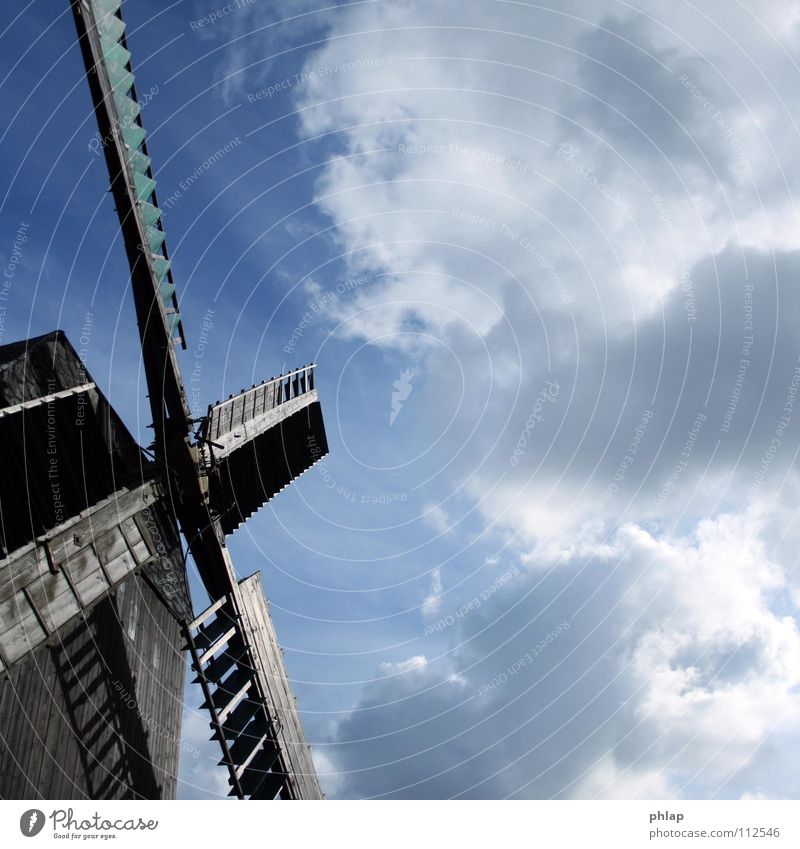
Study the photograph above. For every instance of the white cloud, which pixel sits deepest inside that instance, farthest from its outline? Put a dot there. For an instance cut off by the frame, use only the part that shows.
(607, 781)
(717, 667)
(436, 516)
(330, 780)
(417, 663)
(433, 600)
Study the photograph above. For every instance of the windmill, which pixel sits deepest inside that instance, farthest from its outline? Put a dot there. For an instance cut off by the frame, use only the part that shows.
(112, 546)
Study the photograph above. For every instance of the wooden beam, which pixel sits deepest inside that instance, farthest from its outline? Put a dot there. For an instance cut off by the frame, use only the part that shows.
(48, 583)
(45, 399)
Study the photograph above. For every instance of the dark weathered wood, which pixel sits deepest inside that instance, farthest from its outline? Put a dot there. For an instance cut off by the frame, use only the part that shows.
(9, 759)
(21, 566)
(53, 600)
(88, 717)
(89, 581)
(253, 711)
(22, 629)
(90, 707)
(135, 540)
(47, 583)
(248, 475)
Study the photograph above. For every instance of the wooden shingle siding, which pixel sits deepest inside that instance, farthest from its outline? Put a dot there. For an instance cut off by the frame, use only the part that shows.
(22, 629)
(53, 600)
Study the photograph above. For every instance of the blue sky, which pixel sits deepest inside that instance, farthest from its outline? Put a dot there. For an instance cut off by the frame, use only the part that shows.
(545, 258)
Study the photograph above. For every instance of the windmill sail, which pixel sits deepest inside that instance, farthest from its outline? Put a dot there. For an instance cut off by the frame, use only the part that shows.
(258, 442)
(124, 142)
(240, 668)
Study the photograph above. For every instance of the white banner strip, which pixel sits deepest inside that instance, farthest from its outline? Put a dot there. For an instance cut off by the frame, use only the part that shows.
(385, 825)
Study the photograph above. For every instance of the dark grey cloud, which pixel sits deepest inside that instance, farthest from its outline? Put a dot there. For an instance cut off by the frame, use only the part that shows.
(662, 105)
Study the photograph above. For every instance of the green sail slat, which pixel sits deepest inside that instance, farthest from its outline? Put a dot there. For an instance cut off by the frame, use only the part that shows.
(133, 135)
(121, 79)
(173, 320)
(103, 7)
(166, 290)
(140, 162)
(114, 54)
(162, 267)
(150, 213)
(155, 239)
(127, 108)
(110, 25)
(145, 186)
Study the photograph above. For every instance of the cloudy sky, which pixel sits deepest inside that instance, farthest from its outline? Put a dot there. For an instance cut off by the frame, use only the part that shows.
(546, 256)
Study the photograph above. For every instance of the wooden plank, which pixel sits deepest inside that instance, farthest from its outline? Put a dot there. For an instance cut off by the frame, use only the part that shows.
(50, 772)
(75, 576)
(45, 399)
(215, 647)
(110, 546)
(17, 573)
(66, 769)
(209, 611)
(164, 691)
(66, 546)
(121, 566)
(53, 599)
(6, 709)
(127, 725)
(38, 711)
(91, 588)
(135, 540)
(113, 552)
(86, 576)
(169, 683)
(238, 435)
(20, 630)
(105, 515)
